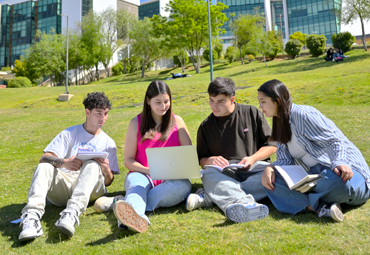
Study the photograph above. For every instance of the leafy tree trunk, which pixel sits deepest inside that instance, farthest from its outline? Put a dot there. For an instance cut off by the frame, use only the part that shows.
(363, 34)
(124, 66)
(241, 55)
(193, 61)
(264, 59)
(182, 63)
(106, 66)
(198, 62)
(97, 72)
(143, 69)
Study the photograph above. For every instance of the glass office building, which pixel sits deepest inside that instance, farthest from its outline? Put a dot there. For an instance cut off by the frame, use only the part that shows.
(287, 16)
(19, 23)
(149, 9)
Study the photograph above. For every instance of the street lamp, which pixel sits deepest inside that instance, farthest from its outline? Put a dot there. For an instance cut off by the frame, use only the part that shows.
(210, 41)
(64, 15)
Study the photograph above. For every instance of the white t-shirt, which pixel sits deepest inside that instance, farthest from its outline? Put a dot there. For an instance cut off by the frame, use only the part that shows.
(67, 143)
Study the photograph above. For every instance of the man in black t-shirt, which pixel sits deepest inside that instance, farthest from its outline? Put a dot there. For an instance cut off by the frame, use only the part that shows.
(232, 134)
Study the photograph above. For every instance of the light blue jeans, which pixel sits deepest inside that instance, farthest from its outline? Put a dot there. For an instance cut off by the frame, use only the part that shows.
(141, 194)
(224, 190)
(329, 189)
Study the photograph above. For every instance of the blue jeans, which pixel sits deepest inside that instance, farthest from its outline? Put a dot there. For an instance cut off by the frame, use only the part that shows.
(141, 194)
(224, 190)
(329, 189)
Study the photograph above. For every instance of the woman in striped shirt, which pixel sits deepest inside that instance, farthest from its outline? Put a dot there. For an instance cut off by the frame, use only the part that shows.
(302, 133)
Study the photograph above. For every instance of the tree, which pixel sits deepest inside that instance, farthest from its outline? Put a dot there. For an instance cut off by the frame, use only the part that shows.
(246, 29)
(91, 28)
(47, 57)
(299, 36)
(145, 44)
(116, 24)
(181, 58)
(188, 25)
(352, 10)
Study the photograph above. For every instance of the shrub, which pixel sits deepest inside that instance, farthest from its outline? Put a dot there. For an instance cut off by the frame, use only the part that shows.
(293, 47)
(206, 54)
(6, 68)
(250, 58)
(19, 82)
(231, 53)
(343, 41)
(299, 36)
(316, 44)
(176, 59)
(218, 48)
(117, 69)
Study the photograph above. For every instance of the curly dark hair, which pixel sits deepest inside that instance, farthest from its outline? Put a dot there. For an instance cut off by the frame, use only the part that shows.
(97, 100)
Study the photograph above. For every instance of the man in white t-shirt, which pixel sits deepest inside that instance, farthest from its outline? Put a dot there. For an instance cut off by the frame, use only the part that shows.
(65, 180)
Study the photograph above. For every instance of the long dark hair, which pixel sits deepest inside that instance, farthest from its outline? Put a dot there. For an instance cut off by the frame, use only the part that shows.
(148, 125)
(279, 93)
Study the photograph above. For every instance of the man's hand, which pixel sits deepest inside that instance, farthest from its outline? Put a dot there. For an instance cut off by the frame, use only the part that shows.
(217, 161)
(344, 171)
(104, 165)
(268, 178)
(247, 162)
(73, 163)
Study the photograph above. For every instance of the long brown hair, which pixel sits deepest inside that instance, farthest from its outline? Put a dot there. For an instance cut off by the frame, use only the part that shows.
(279, 93)
(148, 125)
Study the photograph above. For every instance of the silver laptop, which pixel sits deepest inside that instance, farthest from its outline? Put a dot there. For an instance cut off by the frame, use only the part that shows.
(168, 163)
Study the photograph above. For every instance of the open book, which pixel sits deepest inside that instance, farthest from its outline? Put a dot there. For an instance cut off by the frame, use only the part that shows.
(221, 169)
(297, 178)
(86, 155)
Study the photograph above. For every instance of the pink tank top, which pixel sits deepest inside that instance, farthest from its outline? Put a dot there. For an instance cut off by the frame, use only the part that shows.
(172, 140)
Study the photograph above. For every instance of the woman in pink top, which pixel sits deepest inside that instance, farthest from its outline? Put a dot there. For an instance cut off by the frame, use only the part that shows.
(156, 126)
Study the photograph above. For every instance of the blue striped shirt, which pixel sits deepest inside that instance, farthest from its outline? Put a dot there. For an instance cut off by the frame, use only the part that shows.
(323, 140)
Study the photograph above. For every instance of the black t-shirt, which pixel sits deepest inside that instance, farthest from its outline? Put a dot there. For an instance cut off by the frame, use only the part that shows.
(233, 137)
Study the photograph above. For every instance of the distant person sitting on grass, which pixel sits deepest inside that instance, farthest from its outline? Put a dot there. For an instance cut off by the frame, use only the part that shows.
(338, 56)
(329, 55)
(303, 133)
(63, 179)
(232, 134)
(156, 126)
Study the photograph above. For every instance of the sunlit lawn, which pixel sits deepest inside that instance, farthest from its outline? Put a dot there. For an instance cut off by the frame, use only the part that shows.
(31, 117)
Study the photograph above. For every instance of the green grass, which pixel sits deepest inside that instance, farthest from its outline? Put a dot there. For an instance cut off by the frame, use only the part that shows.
(31, 117)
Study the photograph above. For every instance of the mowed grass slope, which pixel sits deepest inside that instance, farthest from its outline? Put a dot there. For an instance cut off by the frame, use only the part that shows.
(31, 117)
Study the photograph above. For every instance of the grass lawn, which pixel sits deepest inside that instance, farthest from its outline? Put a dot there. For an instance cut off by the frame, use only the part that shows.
(31, 117)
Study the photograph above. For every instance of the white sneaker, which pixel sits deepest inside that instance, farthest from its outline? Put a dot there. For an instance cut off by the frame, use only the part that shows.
(67, 221)
(127, 216)
(31, 227)
(334, 212)
(105, 204)
(195, 200)
(246, 212)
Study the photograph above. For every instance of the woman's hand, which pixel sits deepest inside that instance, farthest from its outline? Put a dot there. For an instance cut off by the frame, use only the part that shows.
(268, 178)
(344, 171)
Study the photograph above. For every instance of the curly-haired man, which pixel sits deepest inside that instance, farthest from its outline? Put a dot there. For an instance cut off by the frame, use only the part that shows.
(65, 180)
